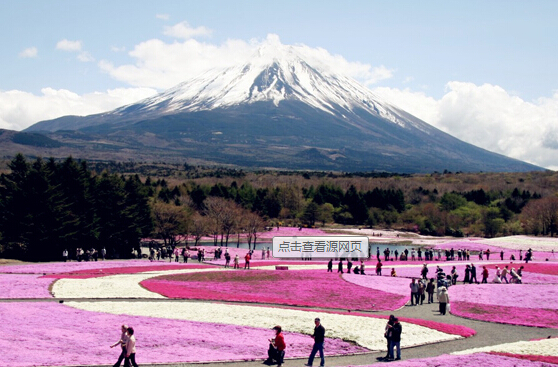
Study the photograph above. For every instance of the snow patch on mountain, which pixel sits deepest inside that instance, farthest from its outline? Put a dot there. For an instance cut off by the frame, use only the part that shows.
(275, 73)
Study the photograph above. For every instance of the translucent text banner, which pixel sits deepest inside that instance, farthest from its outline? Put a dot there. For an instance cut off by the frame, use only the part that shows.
(320, 247)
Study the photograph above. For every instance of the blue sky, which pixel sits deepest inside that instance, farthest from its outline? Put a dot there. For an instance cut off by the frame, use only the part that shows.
(483, 71)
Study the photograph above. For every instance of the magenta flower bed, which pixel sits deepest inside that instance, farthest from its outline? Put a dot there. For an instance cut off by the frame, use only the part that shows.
(397, 285)
(544, 359)
(93, 273)
(24, 286)
(67, 336)
(542, 268)
(470, 360)
(540, 317)
(301, 288)
(511, 295)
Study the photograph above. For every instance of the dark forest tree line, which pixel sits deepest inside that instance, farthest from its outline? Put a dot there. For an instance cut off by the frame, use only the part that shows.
(47, 207)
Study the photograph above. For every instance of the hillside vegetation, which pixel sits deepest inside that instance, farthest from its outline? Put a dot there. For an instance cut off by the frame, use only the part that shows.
(50, 205)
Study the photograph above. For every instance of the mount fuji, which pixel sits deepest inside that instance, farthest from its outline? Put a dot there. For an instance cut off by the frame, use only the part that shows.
(283, 108)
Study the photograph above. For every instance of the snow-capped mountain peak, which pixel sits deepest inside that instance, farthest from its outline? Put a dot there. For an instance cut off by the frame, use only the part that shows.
(274, 73)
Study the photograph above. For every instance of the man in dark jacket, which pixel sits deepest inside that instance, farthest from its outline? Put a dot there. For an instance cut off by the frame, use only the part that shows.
(319, 335)
(395, 339)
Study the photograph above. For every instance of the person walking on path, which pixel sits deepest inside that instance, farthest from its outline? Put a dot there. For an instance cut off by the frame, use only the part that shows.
(424, 271)
(330, 266)
(454, 275)
(122, 342)
(467, 274)
(414, 292)
(349, 265)
(236, 260)
(504, 274)
(276, 351)
(430, 287)
(473, 274)
(379, 267)
(422, 289)
(484, 274)
(387, 333)
(443, 298)
(395, 339)
(227, 259)
(318, 336)
(130, 349)
(340, 266)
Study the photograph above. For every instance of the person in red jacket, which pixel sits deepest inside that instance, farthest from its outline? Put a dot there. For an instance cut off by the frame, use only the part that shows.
(247, 261)
(276, 351)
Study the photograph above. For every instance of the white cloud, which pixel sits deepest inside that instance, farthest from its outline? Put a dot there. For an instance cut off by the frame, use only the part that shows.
(162, 16)
(85, 56)
(19, 110)
(29, 52)
(163, 65)
(489, 117)
(66, 45)
(118, 49)
(183, 30)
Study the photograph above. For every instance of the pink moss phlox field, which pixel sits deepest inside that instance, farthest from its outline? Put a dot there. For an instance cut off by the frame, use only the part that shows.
(539, 317)
(67, 336)
(530, 357)
(313, 288)
(65, 267)
(95, 273)
(24, 286)
(469, 360)
(510, 295)
(541, 268)
(396, 285)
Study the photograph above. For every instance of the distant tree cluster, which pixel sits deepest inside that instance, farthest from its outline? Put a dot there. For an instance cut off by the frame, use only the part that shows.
(47, 207)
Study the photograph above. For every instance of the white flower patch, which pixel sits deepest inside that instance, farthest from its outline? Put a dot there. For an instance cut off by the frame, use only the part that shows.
(114, 286)
(543, 347)
(365, 331)
(524, 242)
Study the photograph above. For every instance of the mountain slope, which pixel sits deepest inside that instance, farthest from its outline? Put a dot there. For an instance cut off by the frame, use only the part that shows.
(285, 109)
